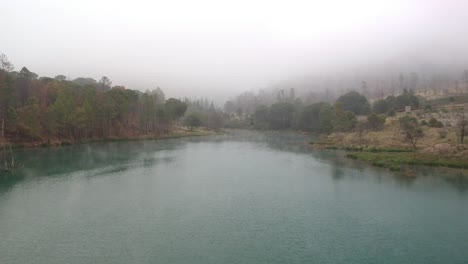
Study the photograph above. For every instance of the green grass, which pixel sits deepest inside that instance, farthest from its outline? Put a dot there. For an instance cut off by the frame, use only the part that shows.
(366, 149)
(393, 160)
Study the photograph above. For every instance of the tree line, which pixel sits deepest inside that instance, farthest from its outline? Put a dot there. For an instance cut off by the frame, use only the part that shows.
(351, 112)
(37, 108)
(323, 117)
(34, 108)
(372, 84)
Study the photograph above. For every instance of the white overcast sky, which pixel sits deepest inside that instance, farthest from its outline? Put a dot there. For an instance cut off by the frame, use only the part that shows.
(219, 48)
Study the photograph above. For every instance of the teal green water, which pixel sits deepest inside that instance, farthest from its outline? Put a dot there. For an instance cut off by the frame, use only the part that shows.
(241, 198)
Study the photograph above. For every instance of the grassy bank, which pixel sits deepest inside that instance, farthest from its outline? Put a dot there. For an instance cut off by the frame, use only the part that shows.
(395, 160)
(328, 145)
(177, 133)
(393, 157)
(389, 148)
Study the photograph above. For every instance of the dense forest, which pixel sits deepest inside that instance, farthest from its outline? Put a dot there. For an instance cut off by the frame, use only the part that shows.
(44, 109)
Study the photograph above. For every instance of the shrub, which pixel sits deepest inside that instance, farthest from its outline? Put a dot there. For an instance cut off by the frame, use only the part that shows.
(375, 122)
(442, 133)
(192, 121)
(433, 122)
(381, 106)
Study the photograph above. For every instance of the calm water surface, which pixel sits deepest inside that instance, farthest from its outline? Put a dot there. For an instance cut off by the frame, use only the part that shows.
(240, 198)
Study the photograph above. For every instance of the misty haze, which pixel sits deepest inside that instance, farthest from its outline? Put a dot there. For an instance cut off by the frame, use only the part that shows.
(233, 132)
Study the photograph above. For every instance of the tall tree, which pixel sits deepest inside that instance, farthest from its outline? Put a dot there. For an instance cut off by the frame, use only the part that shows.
(175, 108)
(309, 118)
(105, 83)
(281, 115)
(61, 77)
(354, 102)
(192, 121)
(261, 116)
(29, 125)
(5, 64)
(343, 121)
(24, 85)
(375, 121)
(462, 125)
(7, 101)
(63, 109)
(465, 78)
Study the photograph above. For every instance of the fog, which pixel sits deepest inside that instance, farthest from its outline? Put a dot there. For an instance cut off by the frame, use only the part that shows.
(218, 49)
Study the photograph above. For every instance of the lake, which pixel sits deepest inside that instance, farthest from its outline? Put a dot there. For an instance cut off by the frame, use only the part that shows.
(244, 197)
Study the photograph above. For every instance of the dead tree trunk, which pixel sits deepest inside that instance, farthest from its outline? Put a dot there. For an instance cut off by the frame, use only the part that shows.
(4, 146)
(5, 152)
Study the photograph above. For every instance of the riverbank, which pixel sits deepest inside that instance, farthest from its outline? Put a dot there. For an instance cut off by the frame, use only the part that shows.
(395, 158)
(179, 132)
(387, 148)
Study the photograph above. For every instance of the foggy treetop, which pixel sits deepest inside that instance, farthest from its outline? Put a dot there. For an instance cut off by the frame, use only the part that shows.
(219, 49)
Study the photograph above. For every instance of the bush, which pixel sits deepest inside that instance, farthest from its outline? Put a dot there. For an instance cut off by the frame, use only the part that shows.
(375, 122)
(407, 98)
(424, 123)
(261, 117)
(381, 106)
(435, 123)
(192, 121)
(316, 118)
(281, 115)
(343, 121)
(442, 133)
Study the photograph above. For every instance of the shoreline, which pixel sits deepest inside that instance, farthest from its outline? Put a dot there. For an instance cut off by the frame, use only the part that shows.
(172, 135)
(395, 158)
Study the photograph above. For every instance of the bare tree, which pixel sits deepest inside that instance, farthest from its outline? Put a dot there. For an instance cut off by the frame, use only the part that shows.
(360, 129)
(457, 87)
(462, 125)
(465, 78)
(105, 83)
(5, 64)
(4, 143)
(401, 82)
(414, 81)
(61, 77)
(364, 89)
(409, 127)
